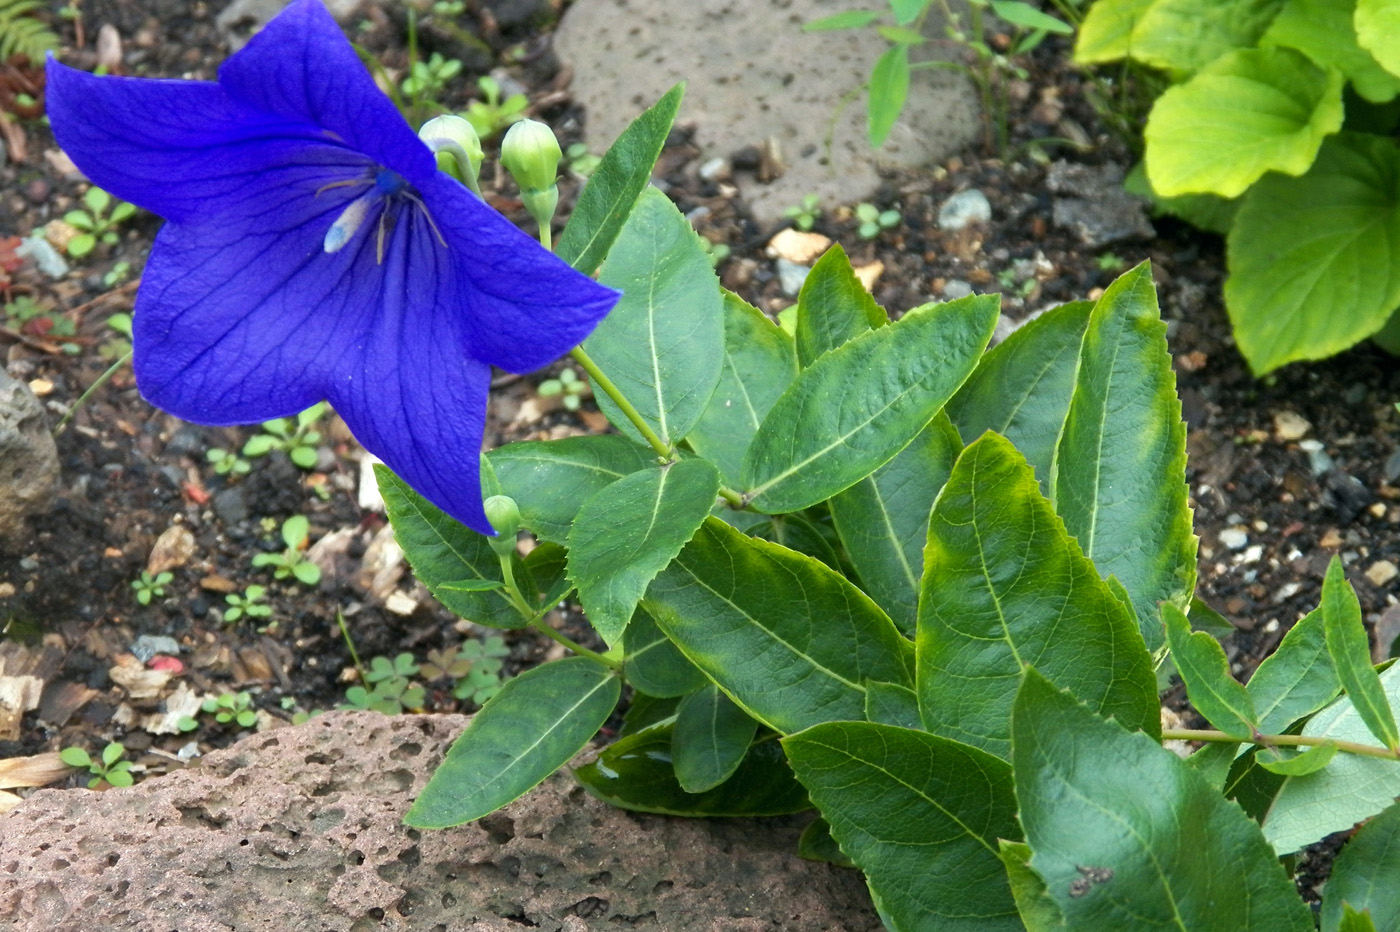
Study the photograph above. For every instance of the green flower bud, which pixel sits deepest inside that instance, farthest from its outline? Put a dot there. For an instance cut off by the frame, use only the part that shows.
(504, 516)
(531, 154)
(452, 135)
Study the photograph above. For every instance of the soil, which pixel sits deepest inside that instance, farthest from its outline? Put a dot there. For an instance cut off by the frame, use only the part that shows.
(131, 473)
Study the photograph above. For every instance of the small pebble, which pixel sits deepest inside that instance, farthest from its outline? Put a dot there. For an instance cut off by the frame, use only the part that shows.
(148, 645)
(1234, 538)
(963, 209)
(1318, 460)
(45, 256)
(956, 288)
(231, 506)
(1290, 426)
(791, 276)
(1392, 468)
(1253, 555)
(715, 169)
(1381, 572)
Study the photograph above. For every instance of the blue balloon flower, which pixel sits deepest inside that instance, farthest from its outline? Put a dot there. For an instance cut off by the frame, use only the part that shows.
(313, 250)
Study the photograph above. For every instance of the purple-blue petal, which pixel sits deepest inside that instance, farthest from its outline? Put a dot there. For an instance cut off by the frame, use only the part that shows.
(524, 306)
(301, 67)
(179, 149)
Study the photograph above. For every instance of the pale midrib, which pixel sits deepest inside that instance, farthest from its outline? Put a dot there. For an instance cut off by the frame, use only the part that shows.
(837, 442)
(540, 740)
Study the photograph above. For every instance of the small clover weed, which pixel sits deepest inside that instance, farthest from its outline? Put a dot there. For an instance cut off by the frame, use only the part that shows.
(873, 220)
(229, 707)
(247, 605)
(475, 665)
(580, 161)
(226, 463)
(392, 693)
(805, 214)
(717, 252)
(296, 437)
(115, 347)
(27, 316)
(118, 273)
(98, 223)
(490, 115)
(483, 679)
(110, 768)
(149, 587)
(1009, 285)
(427, 79)
(1110, 262)
(569, 386)
(292, 561)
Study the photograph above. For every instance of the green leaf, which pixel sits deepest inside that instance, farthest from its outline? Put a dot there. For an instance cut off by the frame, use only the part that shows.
(1005, 586)
(1127, 836)
(636, 773)
(1107, 30)
(1297, 679)
(906, 11)
(901, 35)
(883, 519)
(548, 479)
(1205, 670)
(1323, 30)
(710, 739)
(891, 704)
(445, 553)
(1294, 764)
(920, 815)
(295, 530)
(790, 641)
(1119, 477)
(75, 757)
(1350, 650)
(1038, 911)
(1252, 112)
(889, 86)
(546, 565)
(816, 844)
(612, 189)
(1377, 25)
(524, 733)
(647, 712)
(663, 343)
(1352, 788)
(1028, 17)
(760, 362)
(850, 19)
(1312, 260)
(1183, 36)
(853, 409)
(1021, 388)
(1363, 876)
(1352, 921)
(655, 665)
(628, 532)
(833, 307)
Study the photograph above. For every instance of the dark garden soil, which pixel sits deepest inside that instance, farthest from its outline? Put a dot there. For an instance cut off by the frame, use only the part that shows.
(1296, 467)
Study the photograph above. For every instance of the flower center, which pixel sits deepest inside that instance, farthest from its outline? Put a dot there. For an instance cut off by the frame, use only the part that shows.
(385, 187)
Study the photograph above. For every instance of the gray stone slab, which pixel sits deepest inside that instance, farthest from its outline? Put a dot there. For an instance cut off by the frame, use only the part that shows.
(753, 74)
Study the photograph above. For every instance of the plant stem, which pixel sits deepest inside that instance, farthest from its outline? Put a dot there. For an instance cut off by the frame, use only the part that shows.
(354, 655)
(1350, 747)
(100, 381)
(543, 627)
(663, 450)
(547, 236)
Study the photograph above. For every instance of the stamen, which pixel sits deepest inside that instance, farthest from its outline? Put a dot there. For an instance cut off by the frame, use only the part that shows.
(339, 184)
(424, 207)
(347, 223)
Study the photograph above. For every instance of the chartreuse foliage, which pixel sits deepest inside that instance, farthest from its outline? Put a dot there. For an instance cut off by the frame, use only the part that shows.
(921, 586)
(1277, 128)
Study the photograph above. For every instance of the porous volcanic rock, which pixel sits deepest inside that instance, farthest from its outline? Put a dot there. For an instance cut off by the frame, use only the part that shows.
(300, 830)
(28, 460)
